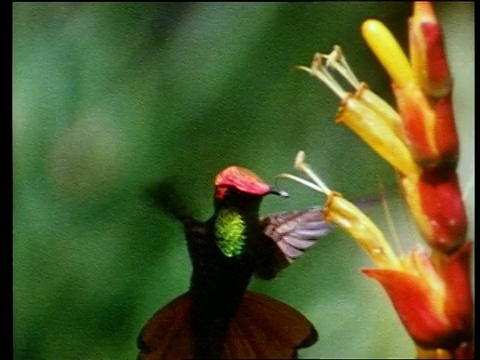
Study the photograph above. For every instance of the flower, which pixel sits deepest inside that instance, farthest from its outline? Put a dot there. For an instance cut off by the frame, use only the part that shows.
(431, 295)
(434, 306)
(431, 292)
(423, 90)
(420, 140)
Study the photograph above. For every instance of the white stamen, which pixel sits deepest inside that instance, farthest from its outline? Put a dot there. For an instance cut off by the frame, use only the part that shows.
(302, 181)
(301, 165)
(318, 70)
(336, 60)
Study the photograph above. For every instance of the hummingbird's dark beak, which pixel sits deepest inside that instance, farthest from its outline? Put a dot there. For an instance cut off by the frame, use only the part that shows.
(278, 192)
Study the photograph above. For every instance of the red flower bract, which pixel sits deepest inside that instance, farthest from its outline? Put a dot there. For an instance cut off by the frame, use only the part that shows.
(436, 315)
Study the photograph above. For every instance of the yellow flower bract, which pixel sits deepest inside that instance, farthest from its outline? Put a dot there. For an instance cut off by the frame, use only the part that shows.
(388, 52)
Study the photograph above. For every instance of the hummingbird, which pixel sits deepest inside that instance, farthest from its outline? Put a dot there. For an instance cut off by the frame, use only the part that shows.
(218, 317)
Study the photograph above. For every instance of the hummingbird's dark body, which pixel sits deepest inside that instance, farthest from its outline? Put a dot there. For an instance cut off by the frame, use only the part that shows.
(225, 252)
(213, 270)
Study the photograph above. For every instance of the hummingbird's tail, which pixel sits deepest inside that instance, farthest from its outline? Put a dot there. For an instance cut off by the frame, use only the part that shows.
(262, 328)
(267, 328)
(167, 334)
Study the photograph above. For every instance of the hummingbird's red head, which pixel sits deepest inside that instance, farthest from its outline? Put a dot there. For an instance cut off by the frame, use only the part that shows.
(244, 181)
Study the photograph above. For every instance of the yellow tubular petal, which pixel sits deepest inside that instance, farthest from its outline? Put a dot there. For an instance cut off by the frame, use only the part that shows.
(378, 134)
(349, 218)
(387, 113)
(388, 52)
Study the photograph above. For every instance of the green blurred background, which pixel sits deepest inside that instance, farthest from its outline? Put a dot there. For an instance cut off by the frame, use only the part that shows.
(108, 98)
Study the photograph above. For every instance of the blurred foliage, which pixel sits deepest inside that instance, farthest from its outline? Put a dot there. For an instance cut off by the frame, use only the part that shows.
(110, 97)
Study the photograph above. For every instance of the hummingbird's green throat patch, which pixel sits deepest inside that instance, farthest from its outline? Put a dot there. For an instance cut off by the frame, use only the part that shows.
(230, 232)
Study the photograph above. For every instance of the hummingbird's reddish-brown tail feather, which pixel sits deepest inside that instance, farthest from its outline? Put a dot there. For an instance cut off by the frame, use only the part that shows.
(262, 328)
(167, 334)
(267, 328)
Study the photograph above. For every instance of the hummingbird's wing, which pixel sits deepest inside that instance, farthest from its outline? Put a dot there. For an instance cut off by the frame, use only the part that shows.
(286, 236)
(166, 194)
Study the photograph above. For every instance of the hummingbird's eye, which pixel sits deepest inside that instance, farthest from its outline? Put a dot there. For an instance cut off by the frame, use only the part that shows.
(233, 191)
